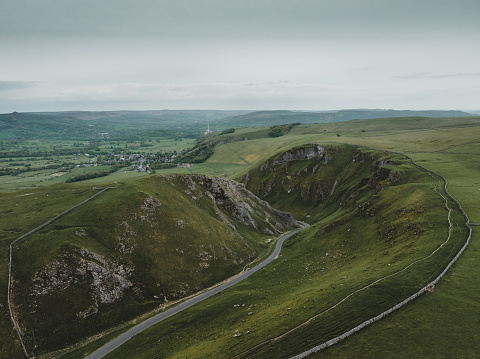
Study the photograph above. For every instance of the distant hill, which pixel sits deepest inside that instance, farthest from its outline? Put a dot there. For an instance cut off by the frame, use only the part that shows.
(90, 124)
(28, 126)
(173, 123)
(271, 118)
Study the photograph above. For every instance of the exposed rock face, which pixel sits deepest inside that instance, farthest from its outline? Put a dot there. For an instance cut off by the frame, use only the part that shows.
(107, 280)
(126, 243)
(243, 205)
(380, 173)
(56, 275)
(325, 175)
(394, 176)
(149, 207)
(299, 154)
(383, 163)
(189, 183)
(150, 204)
(359, 156)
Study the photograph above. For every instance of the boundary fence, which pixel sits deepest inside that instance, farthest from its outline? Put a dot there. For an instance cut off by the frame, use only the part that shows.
(10, 266)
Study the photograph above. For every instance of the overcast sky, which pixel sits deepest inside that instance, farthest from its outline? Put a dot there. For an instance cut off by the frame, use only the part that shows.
(239, 54)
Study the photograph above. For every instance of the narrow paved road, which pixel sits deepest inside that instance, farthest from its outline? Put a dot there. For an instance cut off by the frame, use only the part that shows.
(107, 348)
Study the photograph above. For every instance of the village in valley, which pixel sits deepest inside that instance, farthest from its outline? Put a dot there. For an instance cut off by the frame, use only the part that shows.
(141, 161)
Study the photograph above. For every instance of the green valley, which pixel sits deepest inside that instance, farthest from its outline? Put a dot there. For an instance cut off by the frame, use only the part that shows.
(382, 227)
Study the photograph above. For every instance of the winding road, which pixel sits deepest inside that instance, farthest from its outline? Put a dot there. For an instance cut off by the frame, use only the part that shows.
(115, 343)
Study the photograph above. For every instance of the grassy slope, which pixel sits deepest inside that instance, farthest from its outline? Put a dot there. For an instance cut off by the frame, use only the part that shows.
(246, 153)
(234, 158)
(443, 323)
(172, 250)
(21, 212)
(319, 268)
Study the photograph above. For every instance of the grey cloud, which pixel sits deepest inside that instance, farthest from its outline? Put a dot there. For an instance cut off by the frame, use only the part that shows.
(417, 75)
(7, 86)
(217, 18)
(430, 75)
(456, 75)
(92, 54)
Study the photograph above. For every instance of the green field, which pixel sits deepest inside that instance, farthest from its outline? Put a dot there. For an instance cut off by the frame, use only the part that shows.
(379, 232)
(42, 163)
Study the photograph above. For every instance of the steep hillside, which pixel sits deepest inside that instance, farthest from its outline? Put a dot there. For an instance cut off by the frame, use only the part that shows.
(381, 229)
(21, 212)
(134, 248)
(314, 181)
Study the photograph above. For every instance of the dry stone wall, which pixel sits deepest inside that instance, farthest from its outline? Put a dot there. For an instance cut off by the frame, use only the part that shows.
(10, 266)
(404, 302)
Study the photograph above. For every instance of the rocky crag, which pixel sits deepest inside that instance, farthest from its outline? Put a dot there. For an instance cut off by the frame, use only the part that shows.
(309, 179)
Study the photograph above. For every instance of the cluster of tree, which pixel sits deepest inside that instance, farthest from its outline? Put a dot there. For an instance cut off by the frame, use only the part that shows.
(13, 171)
(228, 130)
(36, 153)
(160, 166)
(90, 175)
(23, 152)
(198, 154)
(280, 130)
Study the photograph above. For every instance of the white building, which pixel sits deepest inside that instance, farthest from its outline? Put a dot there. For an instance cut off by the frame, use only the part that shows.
(208, 131)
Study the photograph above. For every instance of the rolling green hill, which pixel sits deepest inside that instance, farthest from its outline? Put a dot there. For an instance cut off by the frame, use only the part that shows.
(271, 118)
(118, 124)
(381, 229)
(260, 142)
(172, 123)
(133, 249)
(33, 126)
